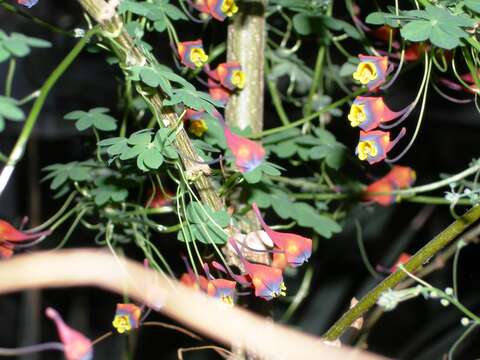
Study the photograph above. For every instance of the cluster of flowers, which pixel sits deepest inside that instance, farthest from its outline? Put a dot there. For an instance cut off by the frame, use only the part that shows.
(223, 81)
(267, 281)
(371, 112)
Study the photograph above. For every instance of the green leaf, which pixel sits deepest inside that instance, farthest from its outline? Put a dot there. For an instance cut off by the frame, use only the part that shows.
(253, 176)
(93, 118)
(9, 109)
(473, 5)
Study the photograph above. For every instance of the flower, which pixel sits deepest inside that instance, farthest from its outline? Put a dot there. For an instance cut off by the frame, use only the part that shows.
(192, 54)
(220, 288)
(218, 92)
(297, 249)
(9, 236)
(383, 33)
(9, 233)
(77, 346)
(160, 199)
(372, 71)
(399, 177)
(221, 9)
(402, 176)
(374, 145)
(127, 317)
(370, 112)
(402, 260)
(279, 260)
(197, 125)
(28, 3)
(383, 185)
(248, 154)
(267, 281)
(230, 75)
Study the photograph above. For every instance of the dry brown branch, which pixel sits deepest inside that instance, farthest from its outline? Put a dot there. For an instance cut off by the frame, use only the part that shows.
(193, 309)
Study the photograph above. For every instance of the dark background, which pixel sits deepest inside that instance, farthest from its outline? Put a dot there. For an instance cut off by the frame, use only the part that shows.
(418, 329)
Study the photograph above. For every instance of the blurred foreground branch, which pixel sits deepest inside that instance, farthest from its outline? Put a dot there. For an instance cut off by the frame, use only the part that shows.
(203, 314)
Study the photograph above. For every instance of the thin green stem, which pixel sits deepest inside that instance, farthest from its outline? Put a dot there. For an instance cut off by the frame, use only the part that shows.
(19, 148)
(363, 252)
(71, 229)
(317, 76)
(276, 100)
(57, 215)
(301, 294)
(460, 340)
(309, 118)
(460, 245)
(434, 246)
(10, 74)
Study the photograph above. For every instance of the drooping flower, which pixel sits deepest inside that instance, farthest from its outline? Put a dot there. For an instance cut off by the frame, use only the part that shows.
(10, 234)
(127, 317)
(220, 288)
(402, 176)
(77, 346)
(218, 92)
(382, 185)
(221, 9)
(28, 3)
(267, 281)
(399, 177)
(248, 154)
(191, 54)
(370, 112)
(230, 75)
(374, 145)
(10, 237)
(383, 33)
(160, 199)
(297, 249)
(200, 5)
(372, 71)
(197, 125)
(190, 279)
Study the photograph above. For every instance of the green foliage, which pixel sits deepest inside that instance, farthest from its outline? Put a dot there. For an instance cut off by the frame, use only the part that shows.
(18, 45)
(265, 196)
(160, 12)
(321, 145)
(436, 24)
(150, 153)
(96, 118)
(203, 224)
(10, 111)
(107, 190)
(473, 5)
(74, 171)
(308, 24)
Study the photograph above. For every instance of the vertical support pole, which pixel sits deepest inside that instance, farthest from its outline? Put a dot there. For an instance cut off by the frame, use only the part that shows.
(246, 44)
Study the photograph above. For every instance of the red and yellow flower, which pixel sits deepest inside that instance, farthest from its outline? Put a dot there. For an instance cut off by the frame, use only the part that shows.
(248, 154)
(296, 248)
(370, 112)
(191, 54)
(127, 317)
(375, 145)
(372, 71)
